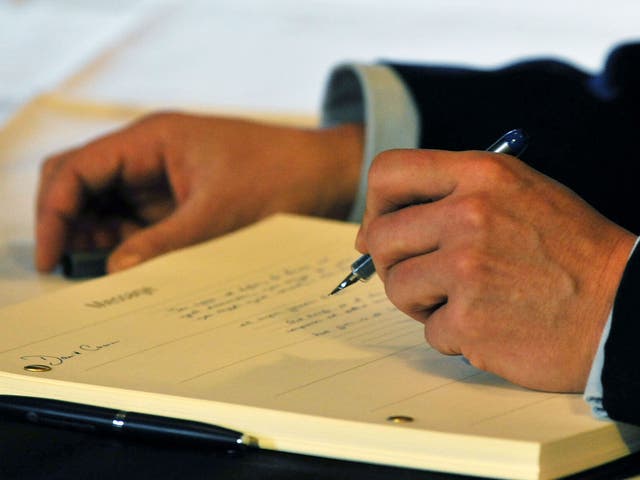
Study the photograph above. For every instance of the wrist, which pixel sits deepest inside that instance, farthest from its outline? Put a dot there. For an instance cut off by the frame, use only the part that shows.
(607, 286)
(343, 153)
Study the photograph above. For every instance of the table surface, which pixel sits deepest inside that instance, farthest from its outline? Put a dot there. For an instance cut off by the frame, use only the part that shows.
(74, 70)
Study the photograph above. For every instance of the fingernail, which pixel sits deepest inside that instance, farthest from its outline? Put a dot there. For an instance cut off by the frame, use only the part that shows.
(124, 262)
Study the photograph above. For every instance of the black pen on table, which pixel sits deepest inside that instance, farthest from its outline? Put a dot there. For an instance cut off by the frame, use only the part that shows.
(513, 143)
(92, 419)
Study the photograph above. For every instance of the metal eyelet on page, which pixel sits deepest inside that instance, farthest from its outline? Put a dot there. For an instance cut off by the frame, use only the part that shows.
(400, 419)
(37, 368)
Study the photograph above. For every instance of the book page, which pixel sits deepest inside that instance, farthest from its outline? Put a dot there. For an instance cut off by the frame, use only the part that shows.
(247, 320)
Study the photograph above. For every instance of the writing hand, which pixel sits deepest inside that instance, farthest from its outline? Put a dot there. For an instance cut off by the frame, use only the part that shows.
(171, 180)
(502, 264)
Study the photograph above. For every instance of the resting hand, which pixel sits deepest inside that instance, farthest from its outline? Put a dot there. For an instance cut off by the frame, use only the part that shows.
(172, 180)
(502, 264)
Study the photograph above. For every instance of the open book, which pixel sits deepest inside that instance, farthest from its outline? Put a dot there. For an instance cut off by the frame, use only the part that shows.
(240, 332)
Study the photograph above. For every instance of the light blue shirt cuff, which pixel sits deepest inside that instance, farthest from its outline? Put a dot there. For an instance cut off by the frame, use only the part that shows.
(375, 96)
(593, 392)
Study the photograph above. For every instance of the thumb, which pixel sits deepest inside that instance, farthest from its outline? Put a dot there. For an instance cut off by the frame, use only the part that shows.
(175, 231)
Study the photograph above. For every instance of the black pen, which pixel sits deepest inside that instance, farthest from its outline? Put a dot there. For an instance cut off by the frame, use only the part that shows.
(84, 264)
(92, 419)
(513, 143)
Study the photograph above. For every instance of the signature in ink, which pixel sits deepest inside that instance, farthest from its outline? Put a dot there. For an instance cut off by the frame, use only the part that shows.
(56, 360)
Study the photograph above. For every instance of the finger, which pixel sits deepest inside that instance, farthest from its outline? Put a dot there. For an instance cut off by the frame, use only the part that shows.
(447, 285)
(66, 178)
(178, 230)
(434, 295)
(405, 177)
(455, 222)
(438, 331)
(398, 178)
(53, 213)
(417, 286)
(405, 233)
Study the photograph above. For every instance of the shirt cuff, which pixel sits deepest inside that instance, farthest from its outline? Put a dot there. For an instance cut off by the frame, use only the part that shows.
(593, 391)
(375, 96)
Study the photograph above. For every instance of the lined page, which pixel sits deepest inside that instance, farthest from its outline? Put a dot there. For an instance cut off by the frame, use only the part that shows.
(247, 320)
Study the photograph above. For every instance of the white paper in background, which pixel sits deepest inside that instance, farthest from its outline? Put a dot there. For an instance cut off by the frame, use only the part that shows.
(44, 42)
(7, 108)
(275, 55)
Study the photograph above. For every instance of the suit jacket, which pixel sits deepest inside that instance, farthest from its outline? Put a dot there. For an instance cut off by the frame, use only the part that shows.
(584, 131)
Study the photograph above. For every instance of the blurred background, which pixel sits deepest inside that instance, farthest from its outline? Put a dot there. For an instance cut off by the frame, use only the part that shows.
(274, 55)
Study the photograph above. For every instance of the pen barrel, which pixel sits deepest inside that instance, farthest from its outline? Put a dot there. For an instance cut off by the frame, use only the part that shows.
(54, 413)
(363, 267)
(84, 264)
(155, 428)
(513, 143)
(93, 419)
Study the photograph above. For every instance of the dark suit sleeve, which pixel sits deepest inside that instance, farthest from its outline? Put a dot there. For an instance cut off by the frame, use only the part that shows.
(621, 369)
(584, 128)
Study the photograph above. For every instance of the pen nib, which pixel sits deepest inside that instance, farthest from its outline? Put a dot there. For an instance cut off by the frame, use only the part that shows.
(349, 280)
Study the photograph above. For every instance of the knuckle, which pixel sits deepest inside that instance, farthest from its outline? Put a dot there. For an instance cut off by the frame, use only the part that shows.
(158, 117)
(464, 332)
(458, 318)
(440, 336)
(493, 169)
(431, 337)
(435, 341)
(468, 264)
(471, 273)
(384, 165)
(377, 172)
(476, 360)
(474, 211)
(161, 121)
